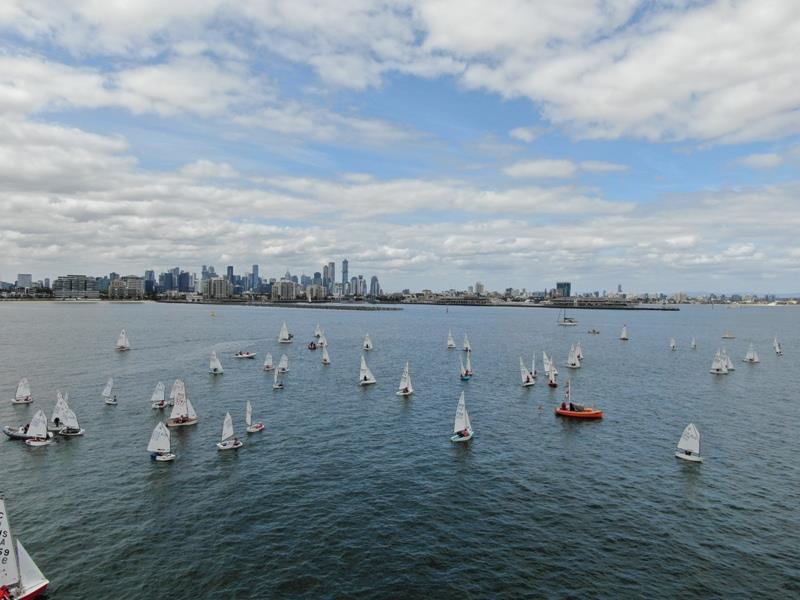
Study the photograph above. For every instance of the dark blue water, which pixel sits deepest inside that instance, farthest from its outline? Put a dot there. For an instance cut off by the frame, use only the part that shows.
(355, 493)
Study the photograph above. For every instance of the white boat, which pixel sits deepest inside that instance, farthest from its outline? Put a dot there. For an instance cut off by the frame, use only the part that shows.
(467, 345)
(326, 358)
(367, 345)
(405, 388)
(548, 364)
(551, 378)
(108, 392)
(228, 441)
(323, 341)
(451, 343)
(693, 344)
(751, 356)
(252, 426)
(624, 333)
(23, 394)
(268, 366)
(462, 428)
(183, 412)
(70, 424)
(283, 364)
(673, 345)
(573, 362)
(777, 346)
(19, 575)
(284, 337)
(728, 336)
(277, 380)
(718, 366)
(244, 354)
(578, 351)
(466, 371)
(122, 342)
(564, 320)
(533, 366)
(317, 331)
(689, 445)
(177, 383)
(159, 446)
(214, 366)
(57, 416)
(157, 400)
(527, 377)
(727, 359)
(365, 376)
(37, 431)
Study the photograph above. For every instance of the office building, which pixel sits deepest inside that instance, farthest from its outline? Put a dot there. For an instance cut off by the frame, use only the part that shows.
(563, 289)
(230, 274)
(345, 264)
(217, 288)
(374, 287)
(75, 286)
(24, 281)
(284, 290)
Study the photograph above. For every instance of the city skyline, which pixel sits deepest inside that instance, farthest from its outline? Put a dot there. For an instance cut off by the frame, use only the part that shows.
(434, 143)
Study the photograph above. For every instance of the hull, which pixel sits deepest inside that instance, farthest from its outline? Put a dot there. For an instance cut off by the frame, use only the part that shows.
(159, 405)
(121, 349)
(162, 457)
(402, 393)
(458, 439)
(528, 384)
(552, 384)
(277, 386)
(27, 401)
(326, 362)
(752, 362)
(689, 457)
(567, 324)
(569, 366)
(229, 445)
(583, 414)
(366, 382)
(111, 402)
(269, 369)
(245, 355)
(35, 443)
(284, 341)
(34, 592)
(212, 372)
(71, 433)
(255, 428)
(176, 423)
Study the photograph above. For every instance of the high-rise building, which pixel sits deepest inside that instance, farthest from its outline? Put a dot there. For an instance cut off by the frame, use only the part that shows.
(24, 281)
(326, 277)
(47, 283)
(345, 264)
(374, 287)
(480, 289)
(619, 288)
(75, 286)
(230, 274)
(331, 274)
(563, 289)
(353, 291)
(185, 283)
(255, 279)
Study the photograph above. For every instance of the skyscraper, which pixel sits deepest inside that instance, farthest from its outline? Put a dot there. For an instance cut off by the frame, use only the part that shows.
(345, 280)
(563, 289)
(374, 286)
(229, 276)
(255, 279)
(331, 274)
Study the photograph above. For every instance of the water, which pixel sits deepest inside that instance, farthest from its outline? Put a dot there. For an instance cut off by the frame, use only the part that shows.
(355, 493)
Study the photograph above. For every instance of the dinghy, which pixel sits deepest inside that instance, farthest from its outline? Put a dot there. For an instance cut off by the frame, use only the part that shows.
(533, 366)
(284, 337)
(527, 377)
(312, 345)
(22, 432)
(23, 395)
(727, 359)
(365, 376)
(277, 380)
(214, 366)
(283, 364)
(57, 416)
(252, 426)
(323, 341)
(157, 400)
(751, 356)
(405, 388)
(673, 345)
(183, 412)
(462, 428)
(689, 445)
(159, 446)
(20, 578)
(594, 331)
(466, 372)
(37, 431)
(777, 346)
(564, 320)
(718, 366)
(174, 391)
(573, 362)
(551, 378)
(326, 359)
(317, 331)
(578, 351)
(451, 343)
(624, 333)
(693, 344)
(70, 424)
(467, 345)
(268, 366)
(728, 336)
(367, 345)
(576, 411)
(108, 392)
(548, 364)
(228, 440)
(244, 354)
(122, 342)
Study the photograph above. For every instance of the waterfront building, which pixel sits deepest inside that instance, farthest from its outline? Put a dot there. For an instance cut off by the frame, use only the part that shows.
(217, 288)
(75, 286)
(284, 290)
(563, 289)
(315, 293)
(230, 273)
(480, 289)
(374, 287)
(331, 275)
(24, 281)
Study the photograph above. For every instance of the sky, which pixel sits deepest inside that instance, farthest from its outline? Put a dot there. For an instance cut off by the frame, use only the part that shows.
(432, 143)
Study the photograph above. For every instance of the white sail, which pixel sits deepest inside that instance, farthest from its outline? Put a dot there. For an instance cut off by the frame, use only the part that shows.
(752, 355)
(268, 362)
(70, 420)
(462, 416)
(326, 359)
(624, 334)
(248, 412)
(777, 346)
(467, 346)
(365, 376)
(469, 363)
(214, 366)
(367, 345)
(158, 394)
(283, 365)
(718, 365)
(323, 341)
(527, 376)
(727, 360)
(318, 331)
(227, 428)
(276, 377)
(122, 341)
(451, 343)
(673, 344)
(109, 387)
(461, 369)
(23, 389)
(690, 440)
(533, 365)
(572, 360)
(174, 390)
(284, 336)
(59, 410)
(38, 425)
(30, 577)
(405, 381)
(179, 405)
(159, 440)
(579, 351)
(549, 366)
(9, 570)
(190, 412)
(551, 376)
(693, 345)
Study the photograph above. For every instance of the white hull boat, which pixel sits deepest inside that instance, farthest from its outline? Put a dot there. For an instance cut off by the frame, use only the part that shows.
(689, 445)
(252, 426)
(462, 427)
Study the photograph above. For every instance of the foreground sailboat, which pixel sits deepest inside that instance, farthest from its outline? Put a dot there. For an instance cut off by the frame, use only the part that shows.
(365, 376)
(37, 434)
(719, 366)
(159, 446)
(624, 333)
(576, 411)
(466, 372)
(228, 441)
(108, 392)
(252, 426)
(57, 417)
(157, 400)
(122, 342)
(183, 412)
(283, 364)
(24, 432)
(527, 377)
(777, 346)
(693, 344)
(689, 445)
(405, 388)
(573, 362)
(70, 426)
(326, 358)
(564, 320)
(751, 356)
(214, 366)
(451, 343)
(20, 578)
(462, 428)
(284, 337)
(367, 345)
(23, 394)
(268, 366)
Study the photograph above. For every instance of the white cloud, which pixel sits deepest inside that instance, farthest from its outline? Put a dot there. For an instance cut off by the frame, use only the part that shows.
(206, 169)
(542, 168)
(524, 134)
(599, 166)
(768, 160)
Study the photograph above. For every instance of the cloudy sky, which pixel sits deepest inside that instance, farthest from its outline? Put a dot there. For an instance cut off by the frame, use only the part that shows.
(434, 143)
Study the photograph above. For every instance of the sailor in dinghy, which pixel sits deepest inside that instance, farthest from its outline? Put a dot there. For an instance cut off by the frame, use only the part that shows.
(689, 445)
(252, 426)
(405, 388)
(462, 427)
(228, 441)
(527, 377)
(70, 424)
(159, 446)
(23, 395)
(577, 411)
(20, 578)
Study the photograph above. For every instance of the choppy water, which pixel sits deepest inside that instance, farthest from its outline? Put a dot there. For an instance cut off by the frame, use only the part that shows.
(356, 493)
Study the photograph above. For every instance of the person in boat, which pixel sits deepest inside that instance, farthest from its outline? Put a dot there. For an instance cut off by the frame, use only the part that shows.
(563, 406)
(463, 433)
(405, 390)
(365, 378)
(25, 429)
(115, 397)
(571, 407)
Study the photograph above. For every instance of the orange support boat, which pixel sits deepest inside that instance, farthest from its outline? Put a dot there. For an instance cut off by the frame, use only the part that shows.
(576, 411)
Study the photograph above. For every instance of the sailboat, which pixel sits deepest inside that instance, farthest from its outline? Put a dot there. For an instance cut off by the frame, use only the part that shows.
(367, 345)
(70, 426)
(159, 445)
(693, 344)
(283, 364)
(718, 366)
(214, 366)
(689, 445)
(323, 341)
(578, 351)
(564, 320)
(727, 359)
(174, 391)
(228, 441)
(37, 431)
(624, 333)
(19, 575)
(277, 380)
(23, 432)
(533, 366)
(777, 346)
(467, 346)
(122, 342)
(23, 395)
(326, 359)
(405, 388)
(57, 416)
(527, 376)
(551, 378)
(576, 411)
(317, 331)
(108, 392)
(673, 345)
(268, 366)
(451, 343)
(751, 356)
(466, 372)
(157, 400)
(252, 426)
(462, 428)
(365, 376)
(284, 337)
(573, 362)
(183, 412)
(728, 335)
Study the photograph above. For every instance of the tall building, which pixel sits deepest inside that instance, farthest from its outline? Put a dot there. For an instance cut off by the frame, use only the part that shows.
(326, 276)
(374, 287)
(345, 264)
(255, 279)
(480, 289)
(230, 274)
(24, 281)
(285, 289)
(563, 289)
(185, 283)
(331, 274)
(75, 286)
